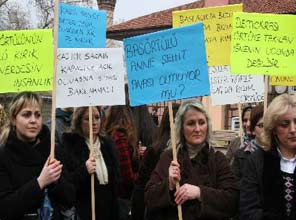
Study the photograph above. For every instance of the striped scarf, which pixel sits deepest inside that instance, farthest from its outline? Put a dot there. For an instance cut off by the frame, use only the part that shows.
(252, 146)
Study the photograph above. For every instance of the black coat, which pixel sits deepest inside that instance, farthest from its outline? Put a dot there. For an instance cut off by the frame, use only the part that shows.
(20, 165)
(149, 162)
(262, 188)
(240, 158)
(77, 153)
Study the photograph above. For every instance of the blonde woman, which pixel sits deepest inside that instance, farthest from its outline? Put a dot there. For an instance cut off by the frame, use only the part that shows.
(31, 185)
(268, 184)
(208, 189)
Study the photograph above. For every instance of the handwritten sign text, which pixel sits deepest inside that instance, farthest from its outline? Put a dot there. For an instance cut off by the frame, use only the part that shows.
(217, 26)
(26, 60)
(228, 88)
(81, 27)
(263, 44)
(167, 65)
(89, 77)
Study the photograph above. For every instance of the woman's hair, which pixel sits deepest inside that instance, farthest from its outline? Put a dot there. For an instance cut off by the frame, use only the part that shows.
(3, 117)
(245, 110)
(185, 106)
(146, 127)
(16, 105)
(121, 117)
(256, 115)
(164, 130)
(77, 120)
(278, 107)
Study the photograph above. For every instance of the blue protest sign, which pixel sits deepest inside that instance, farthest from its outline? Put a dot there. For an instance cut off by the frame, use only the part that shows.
(167, 65)
(81, 27)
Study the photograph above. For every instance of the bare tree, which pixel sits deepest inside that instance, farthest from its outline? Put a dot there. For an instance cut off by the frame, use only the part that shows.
(45, 10)
(13, 16)
(44, 13)
(31, 13)
(17, 18)
(3, 17)
(3, 2)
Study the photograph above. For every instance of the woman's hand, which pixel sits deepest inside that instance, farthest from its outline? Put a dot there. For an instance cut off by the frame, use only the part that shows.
(187, 192)
(141, 151)
(174, 174)
(50, 173)
(91, 165)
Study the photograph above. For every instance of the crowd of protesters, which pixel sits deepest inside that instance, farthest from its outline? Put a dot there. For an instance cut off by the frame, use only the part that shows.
(131, 160)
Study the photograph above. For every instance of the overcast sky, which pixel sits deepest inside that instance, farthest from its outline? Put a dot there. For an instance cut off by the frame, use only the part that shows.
(128, 9)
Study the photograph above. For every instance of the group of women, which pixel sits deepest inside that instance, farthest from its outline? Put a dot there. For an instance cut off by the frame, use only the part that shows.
(260, 185)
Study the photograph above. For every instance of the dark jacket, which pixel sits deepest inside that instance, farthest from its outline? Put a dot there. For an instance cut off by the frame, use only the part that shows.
(233, 146)
(149, 162)
(63, 123)
(262, 194)
(105, 195)
(210, 171)
(240, 158)
(20, 165)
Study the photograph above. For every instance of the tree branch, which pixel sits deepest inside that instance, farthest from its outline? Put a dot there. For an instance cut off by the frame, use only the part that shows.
(3, 2)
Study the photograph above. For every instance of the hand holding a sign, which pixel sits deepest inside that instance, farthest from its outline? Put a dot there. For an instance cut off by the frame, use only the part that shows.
(91, 165)
(174, 174)
(218, 186)
(50, 173)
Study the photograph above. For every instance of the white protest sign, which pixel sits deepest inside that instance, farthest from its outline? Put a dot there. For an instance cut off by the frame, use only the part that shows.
(90, 77)
(228, 88)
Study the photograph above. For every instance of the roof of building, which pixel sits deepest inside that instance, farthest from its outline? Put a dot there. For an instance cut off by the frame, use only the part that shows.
(163, 19)
(148, 23)
(270, 6)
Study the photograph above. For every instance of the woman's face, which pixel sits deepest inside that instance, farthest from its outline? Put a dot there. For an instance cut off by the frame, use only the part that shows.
(195, 127)
(247, 122)
(285, 130)
(28, 122)
(96, 122)
(258, 129)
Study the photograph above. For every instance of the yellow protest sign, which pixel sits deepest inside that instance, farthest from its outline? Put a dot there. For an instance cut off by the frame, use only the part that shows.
(26, 60)
(282, 80)
(263, 44)
(217, 28)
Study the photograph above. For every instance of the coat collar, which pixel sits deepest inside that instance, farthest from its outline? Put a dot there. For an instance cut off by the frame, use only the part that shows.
(201, 157)
(26, 154)
(77, 143)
